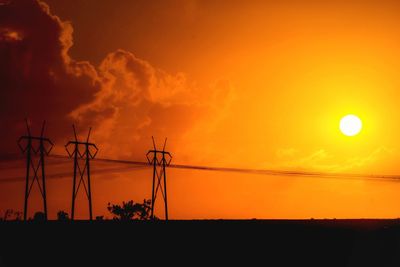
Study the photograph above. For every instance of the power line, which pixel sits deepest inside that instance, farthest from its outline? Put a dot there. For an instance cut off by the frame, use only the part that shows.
(269, 172)
(67, 174)
(17, 164)
(266, 172)
(289, 173)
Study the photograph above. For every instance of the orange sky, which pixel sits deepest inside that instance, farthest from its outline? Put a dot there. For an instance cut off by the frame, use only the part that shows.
(254, 84)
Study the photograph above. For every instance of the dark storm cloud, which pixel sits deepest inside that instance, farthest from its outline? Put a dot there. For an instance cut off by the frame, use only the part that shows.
(38, 79)
(125, 98)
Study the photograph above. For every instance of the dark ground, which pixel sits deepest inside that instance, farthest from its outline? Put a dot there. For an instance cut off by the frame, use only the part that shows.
(203, 242)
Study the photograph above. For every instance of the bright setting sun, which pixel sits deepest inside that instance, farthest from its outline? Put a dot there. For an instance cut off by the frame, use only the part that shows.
(350, 125)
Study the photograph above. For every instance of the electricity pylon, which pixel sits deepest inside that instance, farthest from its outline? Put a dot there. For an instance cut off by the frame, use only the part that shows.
(35, 145)
(86, 156)
(159, 162)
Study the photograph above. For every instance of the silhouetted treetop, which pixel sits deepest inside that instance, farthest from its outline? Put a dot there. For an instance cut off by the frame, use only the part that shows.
(130, 210)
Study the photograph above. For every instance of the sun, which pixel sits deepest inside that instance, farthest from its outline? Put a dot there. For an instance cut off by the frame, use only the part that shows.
(350, 125)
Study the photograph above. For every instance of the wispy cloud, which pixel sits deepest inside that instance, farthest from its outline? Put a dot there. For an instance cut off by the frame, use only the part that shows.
(322, 160)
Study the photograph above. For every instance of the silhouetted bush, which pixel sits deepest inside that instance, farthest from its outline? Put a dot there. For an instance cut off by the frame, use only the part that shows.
(62, 216)
(39, 216)
(130, 210)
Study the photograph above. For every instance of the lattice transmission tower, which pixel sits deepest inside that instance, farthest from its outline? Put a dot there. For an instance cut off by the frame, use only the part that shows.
(159, 159)
(32, 146)
(89, 152)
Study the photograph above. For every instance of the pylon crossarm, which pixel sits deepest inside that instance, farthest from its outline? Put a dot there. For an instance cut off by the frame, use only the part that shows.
(95, 153)
(66, 148)
(150, 161)
(47, 151)
(97, 150)
(167, 163)
(81, 143)
(20, 146)
(67, 144)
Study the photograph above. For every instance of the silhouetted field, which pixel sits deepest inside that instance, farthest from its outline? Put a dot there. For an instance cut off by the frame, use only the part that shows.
(205, 242)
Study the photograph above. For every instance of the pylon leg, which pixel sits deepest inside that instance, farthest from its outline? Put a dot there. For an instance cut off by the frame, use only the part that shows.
(165, 191)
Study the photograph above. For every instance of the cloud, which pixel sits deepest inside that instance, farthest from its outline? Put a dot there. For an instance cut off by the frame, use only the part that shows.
(126, 99)
(368, 160)
(137, 101)
(38, 78)
(321, 160)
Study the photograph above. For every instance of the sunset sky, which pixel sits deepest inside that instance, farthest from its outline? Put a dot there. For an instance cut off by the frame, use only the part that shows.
(241, 84)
